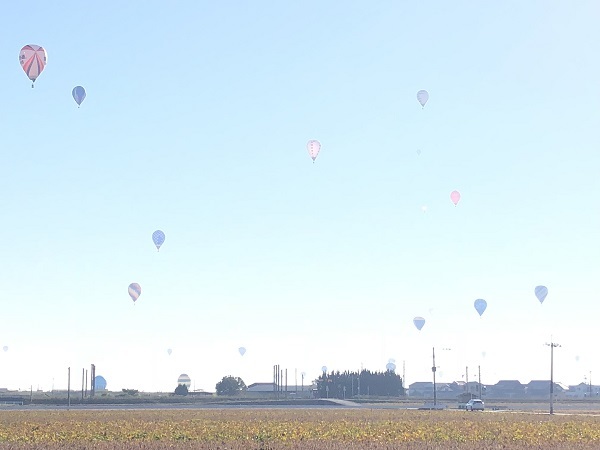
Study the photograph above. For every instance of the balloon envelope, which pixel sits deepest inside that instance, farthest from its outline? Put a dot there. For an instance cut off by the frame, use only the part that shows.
(169, 351)
(242, 351)
(134, 291)
(422, 97)
(79, 94)
(33, 60)
(541, 292)
(314, 147)
(5, 348)
(390, 366)
(324, 369)
(158, 237)
(419, 322)
(455, 197)
(184, 379)
(480, 306)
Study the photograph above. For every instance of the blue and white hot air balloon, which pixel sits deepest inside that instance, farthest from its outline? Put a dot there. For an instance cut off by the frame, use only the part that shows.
(419, 322)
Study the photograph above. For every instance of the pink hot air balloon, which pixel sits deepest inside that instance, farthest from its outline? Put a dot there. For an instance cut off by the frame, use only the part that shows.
(455, 197)
(313, 146)
(33, 60)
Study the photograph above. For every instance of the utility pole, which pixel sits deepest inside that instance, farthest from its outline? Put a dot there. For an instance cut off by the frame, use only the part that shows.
(552, 345)
(69, 388)
(404, 376)
(467, 379)
(479, 370)
(433, 369)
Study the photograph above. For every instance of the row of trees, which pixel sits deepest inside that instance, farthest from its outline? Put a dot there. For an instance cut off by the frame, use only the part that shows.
(334, 385)
(348, 384)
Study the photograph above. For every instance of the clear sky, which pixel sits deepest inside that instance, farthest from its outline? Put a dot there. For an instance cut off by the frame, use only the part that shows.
(196, 122)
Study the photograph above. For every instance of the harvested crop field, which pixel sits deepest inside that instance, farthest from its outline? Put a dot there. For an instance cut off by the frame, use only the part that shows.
(295, 429)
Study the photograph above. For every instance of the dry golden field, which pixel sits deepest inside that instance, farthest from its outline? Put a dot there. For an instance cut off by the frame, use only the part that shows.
(276, 429)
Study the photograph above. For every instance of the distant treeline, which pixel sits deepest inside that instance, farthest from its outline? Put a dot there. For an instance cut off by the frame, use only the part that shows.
(350, 384)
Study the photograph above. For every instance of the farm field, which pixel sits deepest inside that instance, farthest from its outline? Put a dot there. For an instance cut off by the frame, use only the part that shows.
(274, 429)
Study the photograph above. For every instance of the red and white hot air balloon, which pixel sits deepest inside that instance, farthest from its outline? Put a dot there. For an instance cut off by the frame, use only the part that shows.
(33, 60)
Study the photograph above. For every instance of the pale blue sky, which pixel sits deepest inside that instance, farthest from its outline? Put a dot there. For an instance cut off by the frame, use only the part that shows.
(196, 121)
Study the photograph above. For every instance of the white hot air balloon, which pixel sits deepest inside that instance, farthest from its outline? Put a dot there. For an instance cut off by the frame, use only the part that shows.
(422, 97)
(314, 147)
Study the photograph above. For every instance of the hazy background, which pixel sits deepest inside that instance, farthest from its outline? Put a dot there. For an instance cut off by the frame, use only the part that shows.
(196, 122)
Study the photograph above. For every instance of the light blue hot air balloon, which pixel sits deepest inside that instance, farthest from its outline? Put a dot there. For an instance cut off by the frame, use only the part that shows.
(324, 369)
(242, 351)
(79, 94)
(158, 237)
(390, 367)
(480, 306)
(541, 292)
(419, 322)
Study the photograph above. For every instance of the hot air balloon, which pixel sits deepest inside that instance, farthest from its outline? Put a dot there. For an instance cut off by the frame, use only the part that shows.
(169, 351)
(391, 360)
(242, 351)
(158, 237)
(324, 369)
(184, 379)
(419, 322)
(541, 292)
(134, 291)
(78, 94)
(314, 147)
(5, 348)
(455, 197)
(480, 306)
(422, 97)
(33, 60)
(99, 383)
(390, 366)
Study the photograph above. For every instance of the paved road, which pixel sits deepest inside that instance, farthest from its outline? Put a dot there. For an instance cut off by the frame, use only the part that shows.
(537, 407)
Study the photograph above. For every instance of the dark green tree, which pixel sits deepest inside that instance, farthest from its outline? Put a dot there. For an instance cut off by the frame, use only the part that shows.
(230, 386)
(181, 389)
(349, 384)
(130, 391)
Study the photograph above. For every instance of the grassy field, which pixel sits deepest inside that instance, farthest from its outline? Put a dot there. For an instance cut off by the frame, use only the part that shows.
(295, 429)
